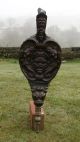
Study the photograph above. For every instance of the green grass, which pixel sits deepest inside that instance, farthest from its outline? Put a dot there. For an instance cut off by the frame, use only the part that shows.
(62, 105)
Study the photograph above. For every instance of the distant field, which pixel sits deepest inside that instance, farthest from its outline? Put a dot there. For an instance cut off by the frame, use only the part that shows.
(62, 105)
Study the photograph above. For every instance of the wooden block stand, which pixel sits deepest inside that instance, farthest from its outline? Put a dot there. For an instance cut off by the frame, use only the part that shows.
(33, 117)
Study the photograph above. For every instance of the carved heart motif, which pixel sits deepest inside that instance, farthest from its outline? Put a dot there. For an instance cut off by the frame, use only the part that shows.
(40, 62)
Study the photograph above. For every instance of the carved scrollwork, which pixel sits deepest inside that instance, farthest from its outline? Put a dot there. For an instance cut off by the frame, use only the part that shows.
(39, 63)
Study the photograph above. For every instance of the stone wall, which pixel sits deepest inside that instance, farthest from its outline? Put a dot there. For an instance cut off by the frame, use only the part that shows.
(13, 52)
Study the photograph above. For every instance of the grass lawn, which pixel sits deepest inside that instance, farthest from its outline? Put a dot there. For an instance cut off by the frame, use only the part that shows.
(62, 105)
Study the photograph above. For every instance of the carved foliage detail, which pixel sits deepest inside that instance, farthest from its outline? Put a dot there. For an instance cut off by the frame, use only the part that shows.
(40, 62)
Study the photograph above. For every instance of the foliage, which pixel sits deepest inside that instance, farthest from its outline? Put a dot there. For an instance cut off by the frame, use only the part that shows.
(13, 33)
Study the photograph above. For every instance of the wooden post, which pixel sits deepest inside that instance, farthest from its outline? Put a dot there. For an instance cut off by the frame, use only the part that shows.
(36, 117)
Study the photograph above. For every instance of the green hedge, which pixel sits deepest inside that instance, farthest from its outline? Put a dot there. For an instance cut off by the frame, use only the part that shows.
(13, 52)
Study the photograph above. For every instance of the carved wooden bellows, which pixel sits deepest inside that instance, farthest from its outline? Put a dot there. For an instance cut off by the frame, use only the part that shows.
(40, 59)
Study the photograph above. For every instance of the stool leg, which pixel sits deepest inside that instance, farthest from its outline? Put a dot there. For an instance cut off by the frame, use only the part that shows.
(36, 117)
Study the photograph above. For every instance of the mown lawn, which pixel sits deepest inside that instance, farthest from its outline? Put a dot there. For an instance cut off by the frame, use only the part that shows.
(62, 105)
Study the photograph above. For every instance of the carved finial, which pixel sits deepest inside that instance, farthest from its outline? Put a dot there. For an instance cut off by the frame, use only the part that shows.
(40, 10)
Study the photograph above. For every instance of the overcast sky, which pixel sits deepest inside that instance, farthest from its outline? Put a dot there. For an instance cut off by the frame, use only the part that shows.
(64, 13)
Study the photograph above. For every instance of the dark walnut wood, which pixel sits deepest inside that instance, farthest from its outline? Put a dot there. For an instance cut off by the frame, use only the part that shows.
(40, 59)
(40, 64)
